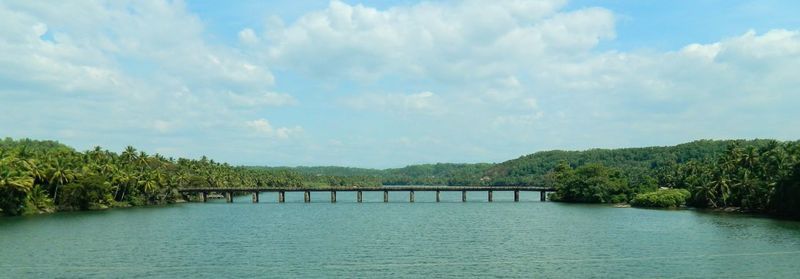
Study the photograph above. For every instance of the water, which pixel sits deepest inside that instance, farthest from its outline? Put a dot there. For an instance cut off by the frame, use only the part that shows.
(398, 239)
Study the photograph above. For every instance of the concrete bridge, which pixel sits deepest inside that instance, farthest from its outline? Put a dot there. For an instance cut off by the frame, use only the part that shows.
(230, 192)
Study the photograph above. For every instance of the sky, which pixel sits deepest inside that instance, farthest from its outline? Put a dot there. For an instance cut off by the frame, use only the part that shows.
(391, 83)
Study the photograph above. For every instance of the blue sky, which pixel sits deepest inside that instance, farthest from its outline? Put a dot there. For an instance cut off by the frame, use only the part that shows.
(391, 83)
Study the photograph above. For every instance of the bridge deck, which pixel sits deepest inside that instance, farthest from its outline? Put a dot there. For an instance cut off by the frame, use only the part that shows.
(375, 189)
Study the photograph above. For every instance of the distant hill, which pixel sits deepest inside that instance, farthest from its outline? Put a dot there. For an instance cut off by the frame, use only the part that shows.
(30, 145)
(331, 171)
(531, 169)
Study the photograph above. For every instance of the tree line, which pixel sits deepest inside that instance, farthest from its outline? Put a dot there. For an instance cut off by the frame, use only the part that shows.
(756, 176)
(45, 176)
(531, 170)
(423, 174)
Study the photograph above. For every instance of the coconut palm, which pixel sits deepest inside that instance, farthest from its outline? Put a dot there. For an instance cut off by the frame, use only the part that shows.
(60, 174)
(15, 180)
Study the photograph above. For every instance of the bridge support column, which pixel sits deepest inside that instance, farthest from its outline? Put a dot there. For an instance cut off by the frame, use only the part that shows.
(359, 196)
(542, 196)
(437, 196)
(205, 196)
(281, 196)
(463, 196)
(229, 196)
(255, 197)
(385, 196)
(411, 196)
(307, 196)
(516, 195)
(333, 196)
(490, 196)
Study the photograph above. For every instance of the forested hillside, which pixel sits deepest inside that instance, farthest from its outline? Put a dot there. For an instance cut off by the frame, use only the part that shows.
(636, 163)
(424, 174)
(755, 175)
(530, 169)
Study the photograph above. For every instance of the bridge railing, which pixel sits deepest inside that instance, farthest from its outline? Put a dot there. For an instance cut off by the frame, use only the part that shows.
(229, 192)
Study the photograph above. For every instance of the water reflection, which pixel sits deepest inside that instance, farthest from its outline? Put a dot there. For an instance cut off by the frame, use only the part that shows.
(397, 239)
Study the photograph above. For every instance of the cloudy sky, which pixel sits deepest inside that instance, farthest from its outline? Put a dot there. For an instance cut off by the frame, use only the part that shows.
(391, 83)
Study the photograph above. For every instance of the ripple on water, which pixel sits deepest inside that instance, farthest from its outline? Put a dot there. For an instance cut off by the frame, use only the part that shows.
(398, 239)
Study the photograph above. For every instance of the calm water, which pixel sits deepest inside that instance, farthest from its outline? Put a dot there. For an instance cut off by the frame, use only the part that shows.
(398, 239)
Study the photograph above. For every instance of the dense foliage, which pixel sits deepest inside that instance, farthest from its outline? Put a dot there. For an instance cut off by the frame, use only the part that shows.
(43, 176)
(754, 176)
(437, 174)
(664, 198)
(757, 176)
(636, 163)
(591, 183)
(639, 165)
(424, 174)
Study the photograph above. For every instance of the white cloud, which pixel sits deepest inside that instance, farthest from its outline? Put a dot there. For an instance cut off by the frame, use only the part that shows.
(287, 132)
(420, 103)
(144, 66)
(461, 40)
(263, 127)
(495, 68)
(163, 126)
(248, 36)
(517, 120)
(511, 75)
(260, 125)
(262, 99)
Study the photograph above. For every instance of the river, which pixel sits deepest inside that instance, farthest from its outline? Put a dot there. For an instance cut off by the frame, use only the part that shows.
(397, 239)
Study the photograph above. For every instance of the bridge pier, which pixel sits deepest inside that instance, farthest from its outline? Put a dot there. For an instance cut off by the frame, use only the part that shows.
(203, 194)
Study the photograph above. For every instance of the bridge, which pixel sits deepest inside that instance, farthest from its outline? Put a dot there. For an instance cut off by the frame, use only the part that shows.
(230, 192)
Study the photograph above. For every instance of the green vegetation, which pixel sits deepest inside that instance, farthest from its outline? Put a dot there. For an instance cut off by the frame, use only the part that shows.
(753, 175)
(44, 176)
(591, 183)
(425, 174)
(637, 164)
(756, 175)
(664, 198)
(438, 174)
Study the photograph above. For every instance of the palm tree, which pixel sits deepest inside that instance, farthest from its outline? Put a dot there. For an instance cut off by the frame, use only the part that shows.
(15, 180)
(704, 195)
(149, 184)
(124, 179)
(32, 168)
(129, 155)
(718, 185)
(60, 174)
